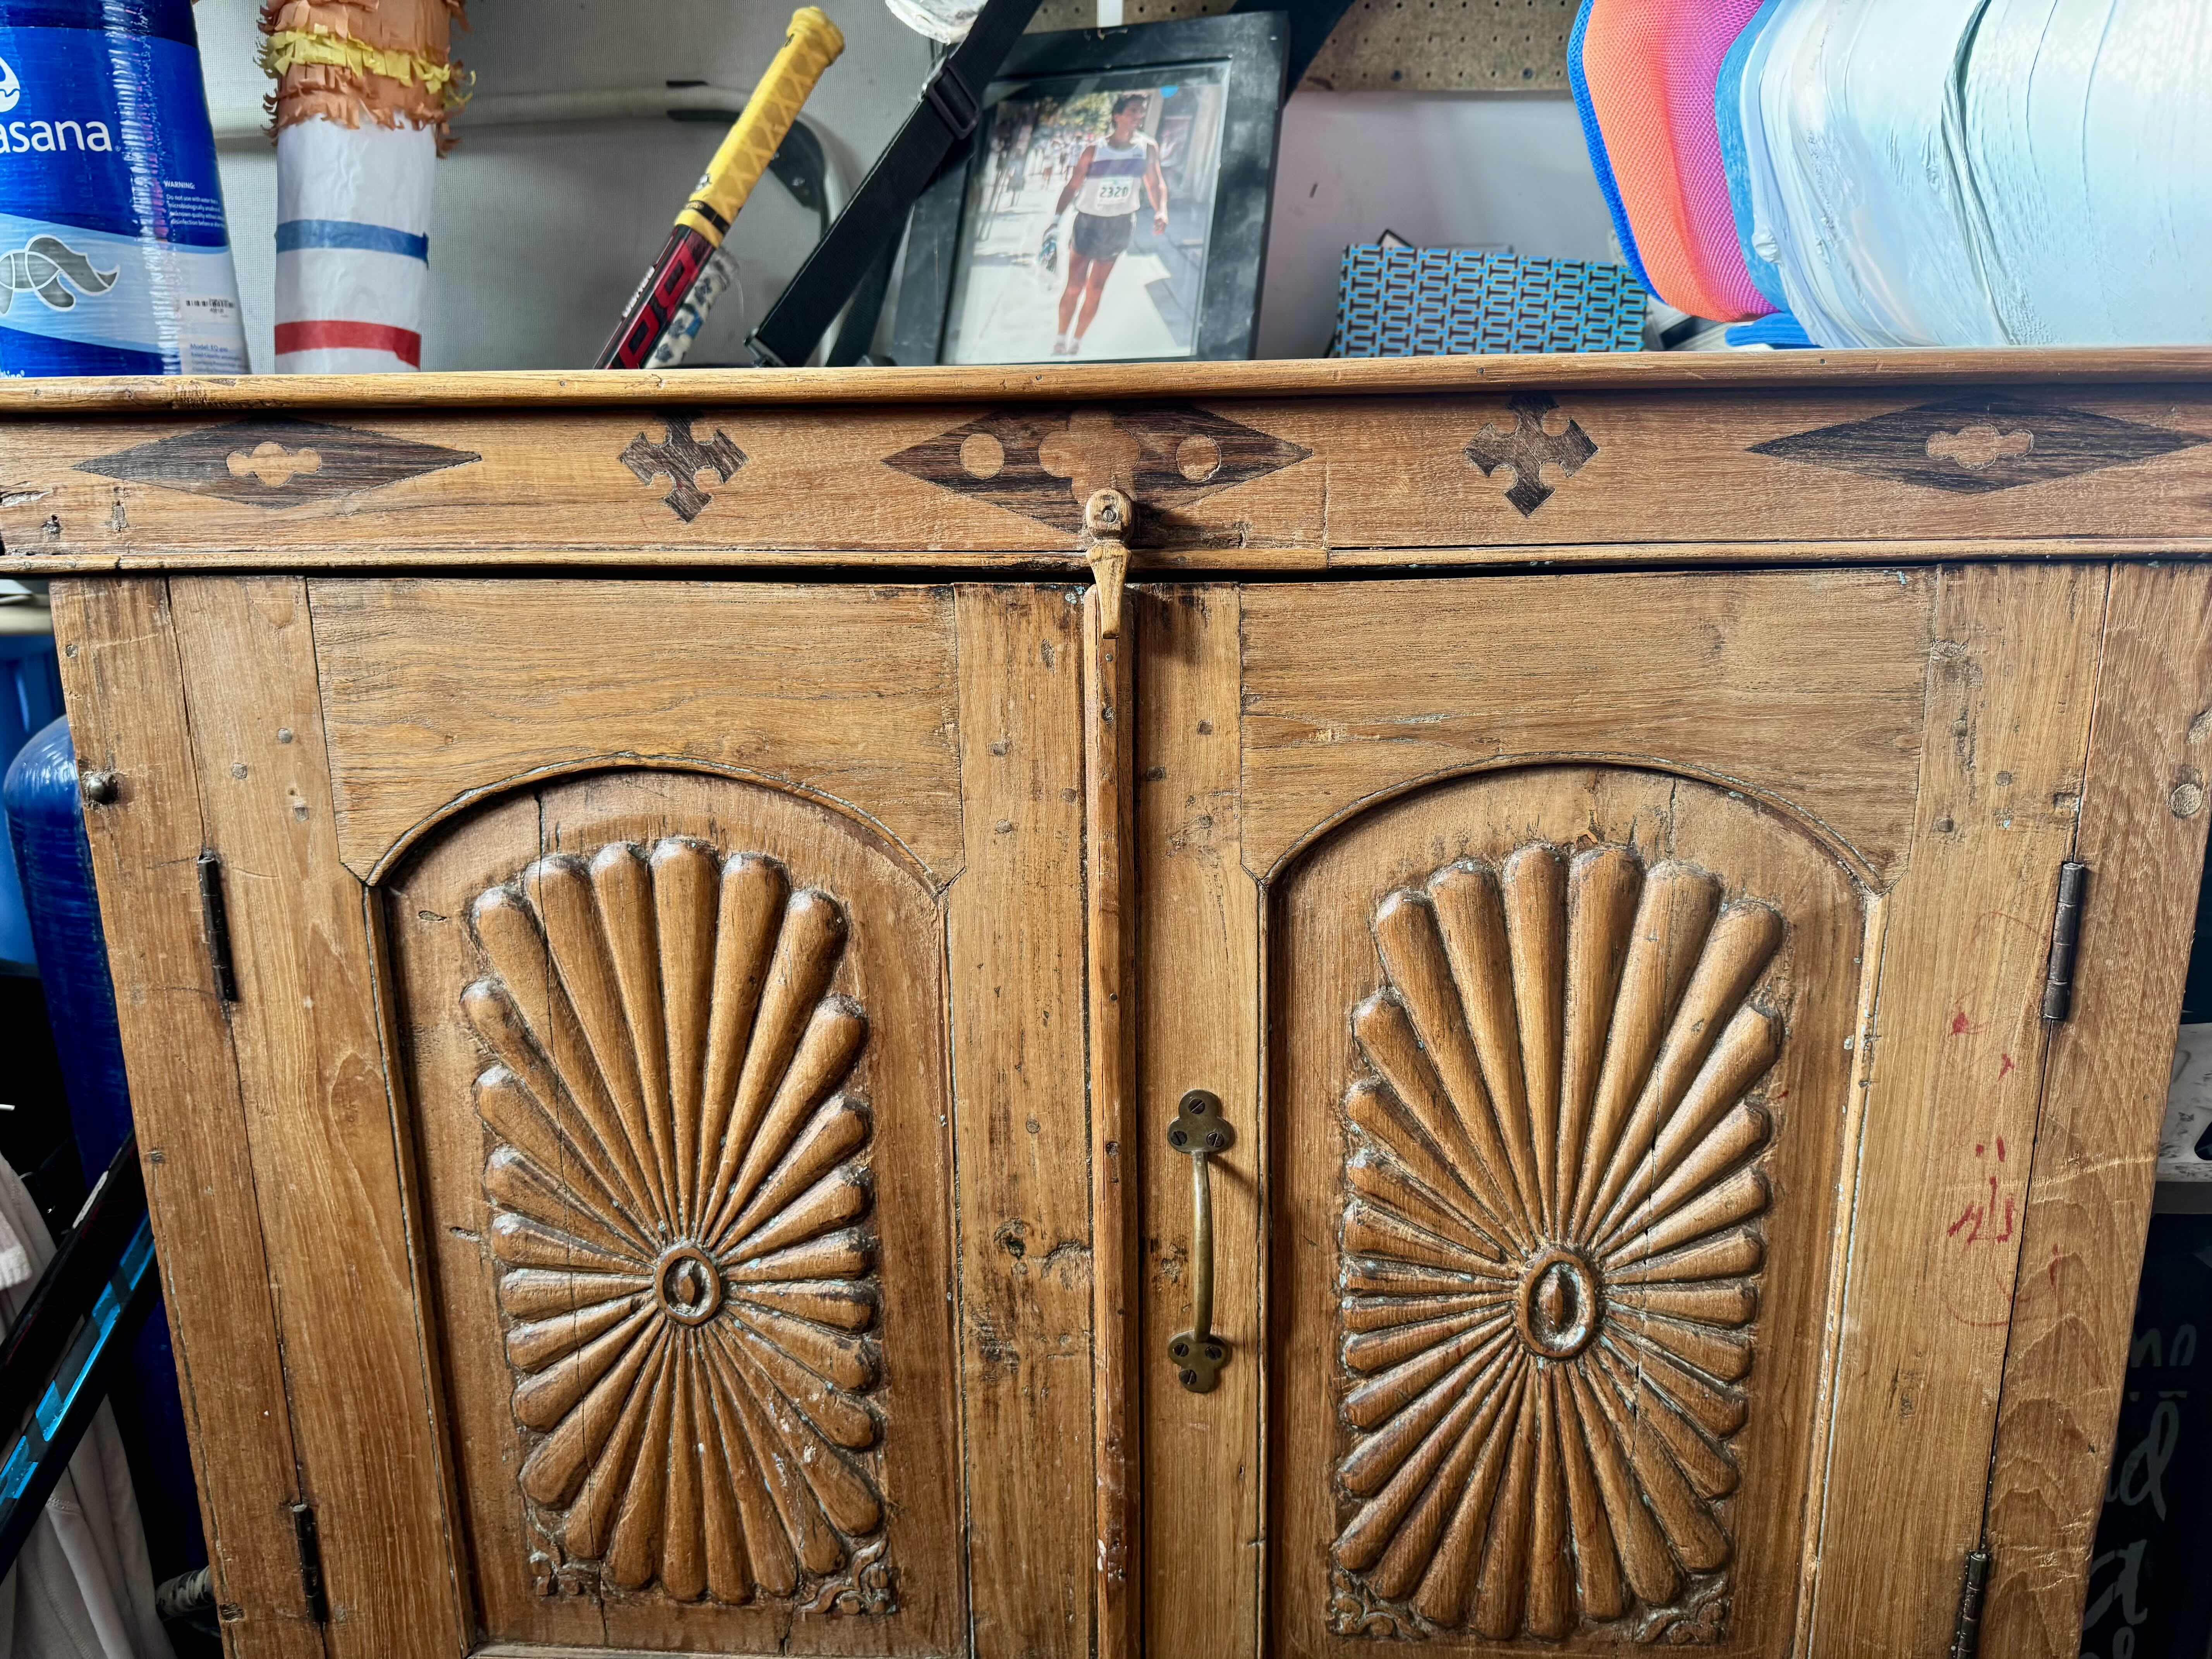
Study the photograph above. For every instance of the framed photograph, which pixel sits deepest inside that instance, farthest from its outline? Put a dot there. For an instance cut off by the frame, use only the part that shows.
(1111, 206)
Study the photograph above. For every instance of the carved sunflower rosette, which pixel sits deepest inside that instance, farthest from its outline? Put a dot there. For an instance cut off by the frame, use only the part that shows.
(679, 1196)
(1550, 1250)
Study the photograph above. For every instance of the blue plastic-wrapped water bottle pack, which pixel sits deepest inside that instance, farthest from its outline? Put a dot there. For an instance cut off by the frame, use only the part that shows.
(114, 256)
(1913, 172)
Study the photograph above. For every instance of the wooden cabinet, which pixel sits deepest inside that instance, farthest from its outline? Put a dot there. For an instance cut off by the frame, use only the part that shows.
(789, 1076)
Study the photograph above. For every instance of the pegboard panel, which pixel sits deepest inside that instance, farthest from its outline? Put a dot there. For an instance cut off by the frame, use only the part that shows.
(1447, 45)
(1401, 45)
(1083, 13)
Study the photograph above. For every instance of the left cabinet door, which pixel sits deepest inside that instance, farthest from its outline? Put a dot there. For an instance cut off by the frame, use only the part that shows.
(653, 1101)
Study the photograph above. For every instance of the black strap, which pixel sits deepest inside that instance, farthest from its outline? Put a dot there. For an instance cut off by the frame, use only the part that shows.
(88, 1254)
(949, 106)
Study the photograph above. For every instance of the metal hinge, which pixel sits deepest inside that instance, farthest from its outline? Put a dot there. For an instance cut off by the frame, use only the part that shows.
(311, 1562)
(1966, 1634)
(2065, 941)
(215, 918)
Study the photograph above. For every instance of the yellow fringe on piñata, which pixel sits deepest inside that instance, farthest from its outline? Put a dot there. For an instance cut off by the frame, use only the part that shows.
(343, 60)
(287, 47)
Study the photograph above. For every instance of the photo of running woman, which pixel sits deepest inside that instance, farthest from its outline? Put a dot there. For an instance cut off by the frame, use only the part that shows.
(1087, 218)
(1105, 191)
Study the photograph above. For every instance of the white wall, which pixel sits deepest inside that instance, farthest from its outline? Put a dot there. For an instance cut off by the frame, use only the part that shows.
(539, 235)
(1442, 170)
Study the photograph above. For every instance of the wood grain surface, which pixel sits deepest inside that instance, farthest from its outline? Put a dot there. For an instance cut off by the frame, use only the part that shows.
(1958, 1057)
(2009, 365)
(2096, 1144)
(1022, 1134)
(127, 715)
(1353, 691)
(1200, 1015)
(511, 682)
(838, 1538)
(331, 1172)
(1436, 1451)
(1074, 878)
(1467, 474)
(1112, 994)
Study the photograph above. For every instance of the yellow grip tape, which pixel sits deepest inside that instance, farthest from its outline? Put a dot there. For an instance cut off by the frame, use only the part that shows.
(811, 46)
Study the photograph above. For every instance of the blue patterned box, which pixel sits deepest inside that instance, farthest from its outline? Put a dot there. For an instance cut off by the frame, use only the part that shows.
(1413, 302)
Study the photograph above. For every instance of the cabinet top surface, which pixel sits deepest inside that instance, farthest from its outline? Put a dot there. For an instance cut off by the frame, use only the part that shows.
(1777, 370)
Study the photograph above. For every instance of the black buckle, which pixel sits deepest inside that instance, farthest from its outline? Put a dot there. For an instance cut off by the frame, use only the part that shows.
(956, 106)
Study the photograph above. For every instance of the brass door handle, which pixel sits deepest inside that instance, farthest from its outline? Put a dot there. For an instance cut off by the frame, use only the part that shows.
(1200, 1130)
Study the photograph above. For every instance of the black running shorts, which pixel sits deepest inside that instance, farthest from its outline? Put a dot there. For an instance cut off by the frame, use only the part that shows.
(1102, 235)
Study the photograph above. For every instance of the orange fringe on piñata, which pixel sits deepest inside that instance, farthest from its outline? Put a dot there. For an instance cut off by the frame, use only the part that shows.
(341, 60)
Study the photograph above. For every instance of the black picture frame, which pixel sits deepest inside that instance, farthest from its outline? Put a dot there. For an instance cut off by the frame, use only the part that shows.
(1254, 46)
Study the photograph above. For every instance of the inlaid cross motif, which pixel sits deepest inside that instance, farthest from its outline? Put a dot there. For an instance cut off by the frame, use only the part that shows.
(681, 458)
(1527, 447)
(1094, 454)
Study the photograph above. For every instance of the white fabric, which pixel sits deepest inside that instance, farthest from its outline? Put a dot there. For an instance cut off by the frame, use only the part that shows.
(82, 1588)
(2088, 123)
(1963, 172)
(1878, 186)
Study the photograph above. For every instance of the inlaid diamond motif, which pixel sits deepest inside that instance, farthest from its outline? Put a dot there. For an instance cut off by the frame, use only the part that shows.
(277, 461)
(1045, 462)
(1972, 446)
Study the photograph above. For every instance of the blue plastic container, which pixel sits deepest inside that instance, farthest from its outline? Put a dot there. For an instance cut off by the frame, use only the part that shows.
(114, 254)
(30, 698)
(45, 823)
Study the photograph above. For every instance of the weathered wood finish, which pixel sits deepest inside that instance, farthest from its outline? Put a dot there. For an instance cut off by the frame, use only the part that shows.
(458, 670)
(1199, 1012)
(1111, 997)
(1021, 1134)
(1958, 1050)
(687, 1170)
(2096, 1141)
(330, 1152)
(1716, 678)
(1450, 1167)
(779, 968)
(126, 692)
(1221, 482)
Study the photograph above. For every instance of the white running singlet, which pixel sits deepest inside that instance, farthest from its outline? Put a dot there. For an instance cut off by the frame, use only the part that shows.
(1115, 179)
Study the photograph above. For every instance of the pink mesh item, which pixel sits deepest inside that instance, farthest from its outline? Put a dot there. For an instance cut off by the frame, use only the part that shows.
(1651, 65)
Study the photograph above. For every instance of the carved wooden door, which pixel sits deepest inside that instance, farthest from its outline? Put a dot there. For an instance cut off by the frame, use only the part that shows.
(659, 1022)
(1623, 994)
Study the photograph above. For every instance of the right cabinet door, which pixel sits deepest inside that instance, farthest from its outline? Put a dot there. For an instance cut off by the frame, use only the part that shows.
(1625, 995)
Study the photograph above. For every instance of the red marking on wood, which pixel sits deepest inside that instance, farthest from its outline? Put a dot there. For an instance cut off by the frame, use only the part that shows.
(1958, 1024)
(2006, 1069)
(2000, 1149)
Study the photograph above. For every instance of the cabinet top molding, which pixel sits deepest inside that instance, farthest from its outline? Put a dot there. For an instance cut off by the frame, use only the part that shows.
(1749, 457)
(1302, 377)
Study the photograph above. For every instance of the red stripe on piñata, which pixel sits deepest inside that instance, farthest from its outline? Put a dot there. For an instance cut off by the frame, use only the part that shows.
(404, 344)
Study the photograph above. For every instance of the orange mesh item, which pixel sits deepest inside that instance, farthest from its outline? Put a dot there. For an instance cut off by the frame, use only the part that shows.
(388, 60)
(1651, 66)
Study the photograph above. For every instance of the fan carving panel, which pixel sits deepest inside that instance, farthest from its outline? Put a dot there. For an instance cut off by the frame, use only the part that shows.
(1551, 1250)
(679, 1195)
